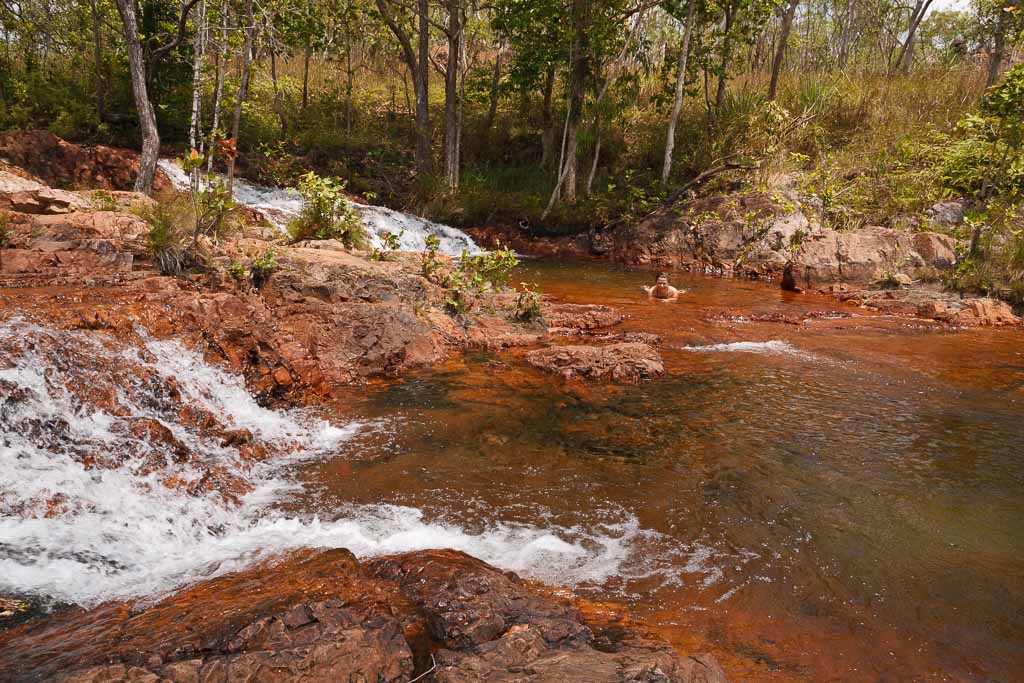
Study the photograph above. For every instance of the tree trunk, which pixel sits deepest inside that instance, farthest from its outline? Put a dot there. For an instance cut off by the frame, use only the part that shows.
(418, 68)
(597, 155)
(278, 107)
(195, 126)
(492, 110)
(147, 116)
(305, 78)
(243, 88)
(423, 160)
(905, 56)
(451, 96)
(677, 104)
(222, 60)
(723, 75)
(97, 35)
(995, 59)
(780, 52)
(547, 136)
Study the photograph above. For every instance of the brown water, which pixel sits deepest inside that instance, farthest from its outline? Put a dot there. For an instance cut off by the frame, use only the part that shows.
(844, 504)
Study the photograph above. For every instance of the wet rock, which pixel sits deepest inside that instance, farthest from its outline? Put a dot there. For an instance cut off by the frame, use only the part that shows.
(568, 317)
(322, 617)
(827, 257)
(494, 629)
(936, 305)
(625, 362)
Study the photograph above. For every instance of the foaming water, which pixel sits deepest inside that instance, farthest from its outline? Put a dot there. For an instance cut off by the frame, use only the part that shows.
(116, 481)
(773, 346)
(281, 204)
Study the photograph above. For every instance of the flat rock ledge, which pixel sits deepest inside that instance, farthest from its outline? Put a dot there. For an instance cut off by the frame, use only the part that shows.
(630, 362)
(439, 616)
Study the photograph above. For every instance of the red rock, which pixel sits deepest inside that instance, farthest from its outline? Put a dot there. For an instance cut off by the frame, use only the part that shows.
(826, 257)
(624, 362)
(80, 167)
(321, 617)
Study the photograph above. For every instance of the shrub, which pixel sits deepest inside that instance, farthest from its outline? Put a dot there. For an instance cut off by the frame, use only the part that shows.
(165, 240)
(262, 268)
(390, 242)
(104, 201)
(476, 275)
(212, 203)
(528, 304)
(237, 271)
(430, 262)
(326, 213)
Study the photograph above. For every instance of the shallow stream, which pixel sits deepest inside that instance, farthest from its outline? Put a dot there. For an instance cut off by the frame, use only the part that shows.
(833, 499)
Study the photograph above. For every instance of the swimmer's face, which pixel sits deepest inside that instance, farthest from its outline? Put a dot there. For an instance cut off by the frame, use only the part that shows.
(662, 280)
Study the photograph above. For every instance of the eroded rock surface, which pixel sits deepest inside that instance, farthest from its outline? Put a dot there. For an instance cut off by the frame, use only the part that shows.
(323, 616)
(76, 167)
(623, 362)
(826, 257)
(936, 305)
(748, 234)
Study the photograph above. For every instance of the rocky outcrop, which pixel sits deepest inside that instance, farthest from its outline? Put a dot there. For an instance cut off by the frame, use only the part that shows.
(746, 234)
(826, 257)
(325, 317)
(25, 195)
(624, 362)
(936, 305)
(438, 615)
(77, 167)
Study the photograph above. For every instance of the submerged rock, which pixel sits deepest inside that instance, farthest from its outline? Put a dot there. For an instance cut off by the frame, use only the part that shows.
(625, 362)
(439, 615)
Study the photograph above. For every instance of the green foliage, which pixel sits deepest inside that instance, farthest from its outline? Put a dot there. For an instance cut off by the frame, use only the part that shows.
(477, 275)
(326, 213)
(431, 264)
(167, 238)
(103, 201)
(528, 303)
(390, 242)
(212, 203)
(262, 267)
(237, 271)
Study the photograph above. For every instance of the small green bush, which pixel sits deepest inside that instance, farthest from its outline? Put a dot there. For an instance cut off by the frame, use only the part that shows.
(237, 271)
(262, 268)
(390, 242)
(168, 238)
(528, 304)
(430, 262)
(326, 213)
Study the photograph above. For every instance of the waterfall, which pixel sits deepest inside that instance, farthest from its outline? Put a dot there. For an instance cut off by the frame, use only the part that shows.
(279, 205)
(122, 474)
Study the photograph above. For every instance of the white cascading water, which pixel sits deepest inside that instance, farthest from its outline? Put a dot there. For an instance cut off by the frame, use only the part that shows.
(92, 509)
(279, 205)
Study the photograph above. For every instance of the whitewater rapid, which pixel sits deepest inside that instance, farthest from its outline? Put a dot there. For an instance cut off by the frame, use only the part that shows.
(92, 509)
(279, 205)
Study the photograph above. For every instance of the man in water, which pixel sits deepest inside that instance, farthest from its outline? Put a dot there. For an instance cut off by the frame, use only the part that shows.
(662, 289)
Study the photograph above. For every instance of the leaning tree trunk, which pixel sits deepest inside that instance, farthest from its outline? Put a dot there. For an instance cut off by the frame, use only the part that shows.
(730, 13)
(677, 105)
(147, 116)
(780, 52)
